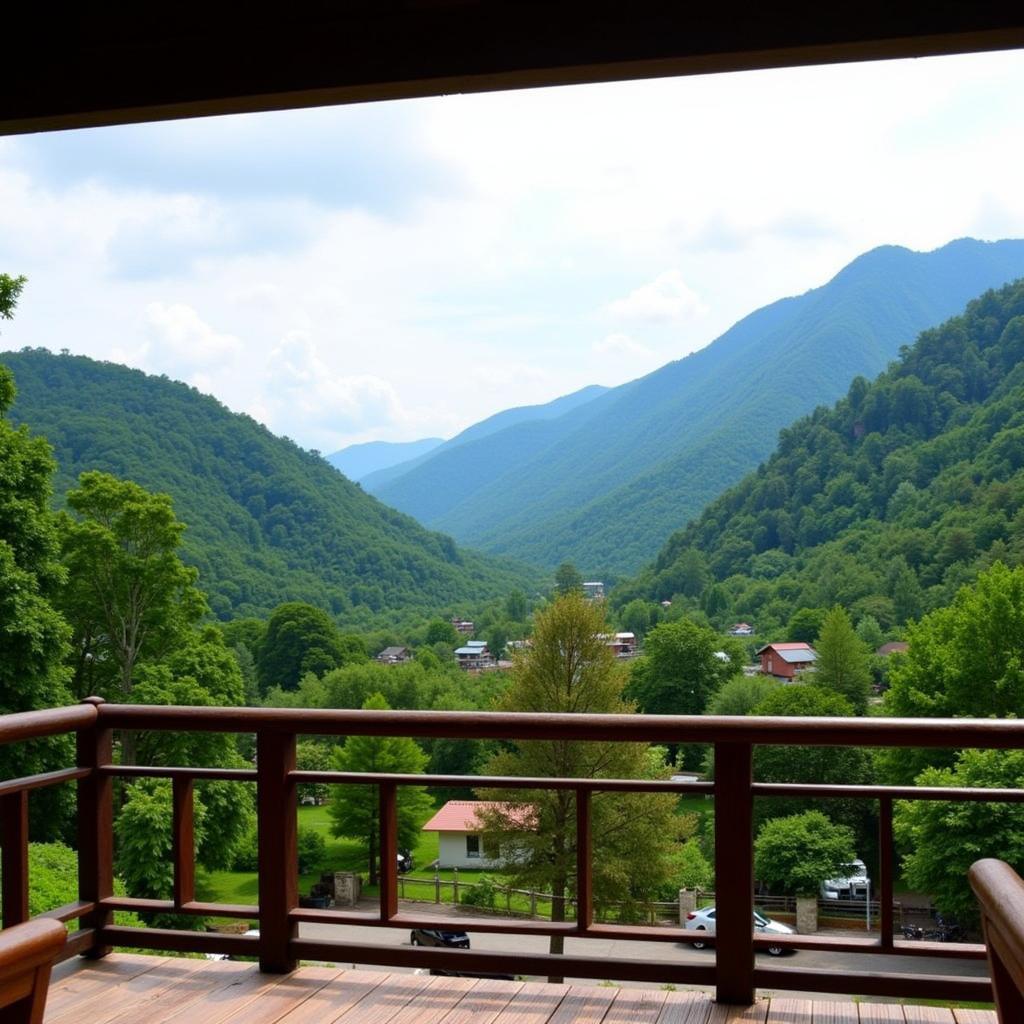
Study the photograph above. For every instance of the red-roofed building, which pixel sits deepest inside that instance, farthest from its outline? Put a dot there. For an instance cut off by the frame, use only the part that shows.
(784, 661)
(460, 833)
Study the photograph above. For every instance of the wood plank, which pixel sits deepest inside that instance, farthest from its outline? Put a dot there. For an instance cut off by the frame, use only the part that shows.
(340, 994)
(195, 988)
(106, 1002)
(880, 1013)
(220, 1003)
(277, 1002)
(970, 1016)
(482, 1003)
(791, 1011)
(584, 1004)
(389, 999)
(73, 979)
(636, 1006)
(535, 1003)
(928, 1015)
(833, 1012)
(685, 1008)
(435, 1002)
(754, 1014)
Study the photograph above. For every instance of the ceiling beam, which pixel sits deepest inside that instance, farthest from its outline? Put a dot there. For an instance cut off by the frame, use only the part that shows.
(77, 65)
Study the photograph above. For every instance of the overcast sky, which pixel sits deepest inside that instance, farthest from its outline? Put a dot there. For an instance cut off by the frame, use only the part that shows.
(400, 270)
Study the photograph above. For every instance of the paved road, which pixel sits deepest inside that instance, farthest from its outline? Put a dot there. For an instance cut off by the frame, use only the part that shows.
(673, 953)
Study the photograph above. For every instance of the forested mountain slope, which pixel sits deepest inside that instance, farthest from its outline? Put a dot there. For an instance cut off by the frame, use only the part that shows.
(605, 484)
(499, 421)
(267, 521)
(885, 503)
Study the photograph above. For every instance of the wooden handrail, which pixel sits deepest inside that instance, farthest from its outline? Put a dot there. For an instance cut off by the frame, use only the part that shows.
(277, 778)
(27, 952)
(1000, 893)
(1000, 734)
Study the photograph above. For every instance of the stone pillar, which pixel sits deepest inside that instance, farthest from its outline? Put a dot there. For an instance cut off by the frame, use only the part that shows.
(687, 903)
(807, 914)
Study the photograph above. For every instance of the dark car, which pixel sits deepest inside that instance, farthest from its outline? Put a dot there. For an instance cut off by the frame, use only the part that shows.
(404, 861)
(427, 937)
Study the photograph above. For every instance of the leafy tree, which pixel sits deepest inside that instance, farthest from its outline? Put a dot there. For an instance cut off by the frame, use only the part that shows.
(515, 606)
(944, 839)
(299, 639)
(680, 668)
(870, 632)
(567, 579)
(843, 664)
(569, 668)
(693, 870)
(497, 637)
(313, 756)
(740, 695)
(10, 290)
(441, 632)
(964, 661)
(355, 810)
(130, 597)
(639, 616)
(312, 849)
(805, 624)
(835, 765)
(796, 854)
(33, 635)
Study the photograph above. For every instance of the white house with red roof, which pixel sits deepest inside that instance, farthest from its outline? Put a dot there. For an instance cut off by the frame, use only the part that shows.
(460, 833)
(784, 661)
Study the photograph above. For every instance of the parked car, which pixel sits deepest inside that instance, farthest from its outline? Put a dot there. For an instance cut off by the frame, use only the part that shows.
(404, 861)
(854, 883)
(704, 921)
(427, 937)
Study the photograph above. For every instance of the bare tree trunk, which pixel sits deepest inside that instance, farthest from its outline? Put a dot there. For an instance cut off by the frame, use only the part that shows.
(557, 944)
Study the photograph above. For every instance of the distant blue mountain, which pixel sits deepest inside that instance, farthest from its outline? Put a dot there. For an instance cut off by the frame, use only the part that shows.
(360, 460)
(606, 483)
(373, 482)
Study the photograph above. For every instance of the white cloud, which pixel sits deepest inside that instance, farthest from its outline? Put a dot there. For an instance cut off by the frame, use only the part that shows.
(180, 338)
(666, 299)
(466, 251)
(622, 344)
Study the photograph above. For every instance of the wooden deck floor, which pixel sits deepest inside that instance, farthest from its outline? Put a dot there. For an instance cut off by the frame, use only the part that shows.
(128, 989)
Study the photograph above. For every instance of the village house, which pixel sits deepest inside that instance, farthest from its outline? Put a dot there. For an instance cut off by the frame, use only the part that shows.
(474, 655)
(460, 834)
(786, 661)
(394, 655)
(464, 626)
(594, 590)
(623, 645)
(741, 629)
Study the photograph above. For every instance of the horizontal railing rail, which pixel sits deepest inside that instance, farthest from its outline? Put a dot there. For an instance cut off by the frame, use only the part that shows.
(276, 777)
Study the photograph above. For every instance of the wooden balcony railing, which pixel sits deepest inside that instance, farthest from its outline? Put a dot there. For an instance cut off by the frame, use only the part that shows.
(278, 946)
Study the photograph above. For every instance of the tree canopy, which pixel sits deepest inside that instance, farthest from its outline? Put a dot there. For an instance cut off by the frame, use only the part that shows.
(569, 668)
(355, 809)
(795, 854)
(843, 664)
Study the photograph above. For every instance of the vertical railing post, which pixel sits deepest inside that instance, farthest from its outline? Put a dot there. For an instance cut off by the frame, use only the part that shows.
(734, 873)
(95, 747)
(584, 868)
(388, 850)
(14, 857)
(276, 810)
(885, 871)
(183, 842)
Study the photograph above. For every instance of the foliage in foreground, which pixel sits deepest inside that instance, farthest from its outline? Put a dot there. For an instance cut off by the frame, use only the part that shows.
(797, 853)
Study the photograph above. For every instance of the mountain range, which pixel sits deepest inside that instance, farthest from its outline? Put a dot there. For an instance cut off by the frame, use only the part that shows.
(606, 482)
(886, 503)
(267, 522)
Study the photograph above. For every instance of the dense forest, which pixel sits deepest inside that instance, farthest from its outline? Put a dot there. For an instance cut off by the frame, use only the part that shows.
(886, 503)
(605, 484)
(267, 521)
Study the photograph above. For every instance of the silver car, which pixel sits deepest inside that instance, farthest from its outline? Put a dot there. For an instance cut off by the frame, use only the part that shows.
(703, 920)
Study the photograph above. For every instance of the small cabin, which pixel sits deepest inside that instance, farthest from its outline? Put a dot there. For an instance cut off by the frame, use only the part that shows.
(786, 661)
